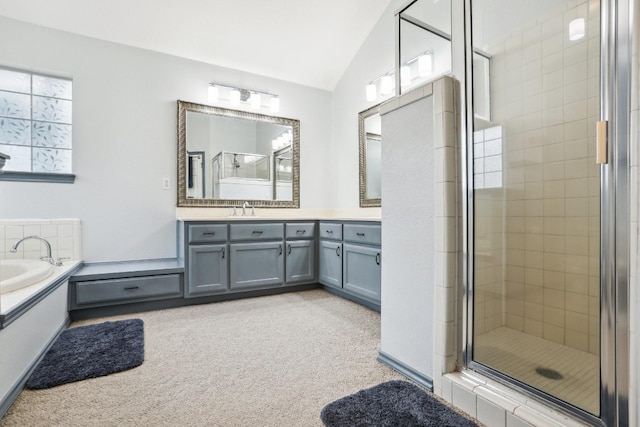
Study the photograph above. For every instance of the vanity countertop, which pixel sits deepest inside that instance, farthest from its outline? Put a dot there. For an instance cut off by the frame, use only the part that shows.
(281, 218)
(265, 214)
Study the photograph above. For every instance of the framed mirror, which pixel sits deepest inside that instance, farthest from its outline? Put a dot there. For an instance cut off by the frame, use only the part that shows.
(227, 157)
(370, 136)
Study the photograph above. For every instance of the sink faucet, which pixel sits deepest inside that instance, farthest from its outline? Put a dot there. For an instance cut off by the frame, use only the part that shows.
(246, 205)
(48, 258)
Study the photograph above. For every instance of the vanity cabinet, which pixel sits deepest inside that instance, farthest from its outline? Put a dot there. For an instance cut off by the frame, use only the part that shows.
(331, 254)
(207, 269)
(351, 258)
(244, 255)
(301, 252)
(256, 265)
(362, 260)
(206, 262)
(259, 263)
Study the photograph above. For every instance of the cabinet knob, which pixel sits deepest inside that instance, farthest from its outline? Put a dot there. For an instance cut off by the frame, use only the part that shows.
(131, 288)
(360, 234)
(223, 252)
(300, 231)
(280, 248)
(289, 251)
(209, 233)
(329, 231)
(338, 251)
(257, 232)
(378, 258)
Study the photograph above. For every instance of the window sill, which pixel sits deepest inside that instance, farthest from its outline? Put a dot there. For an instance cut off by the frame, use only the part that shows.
(61, 178)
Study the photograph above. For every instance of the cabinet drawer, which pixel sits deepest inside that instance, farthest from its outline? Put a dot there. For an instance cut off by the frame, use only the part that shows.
(331, 230)
(369, 234)
(207, 233)
(257, 231)
(300, 230)
(127, 289)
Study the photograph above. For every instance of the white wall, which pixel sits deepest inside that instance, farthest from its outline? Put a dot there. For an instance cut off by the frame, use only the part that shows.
(374, 58)
(125, 138)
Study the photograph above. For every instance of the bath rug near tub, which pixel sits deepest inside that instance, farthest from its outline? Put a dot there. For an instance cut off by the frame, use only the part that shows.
(89, 352)
(393, 403)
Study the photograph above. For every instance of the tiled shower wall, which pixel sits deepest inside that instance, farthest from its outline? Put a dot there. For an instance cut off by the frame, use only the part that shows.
(64, 235)
(544, 93)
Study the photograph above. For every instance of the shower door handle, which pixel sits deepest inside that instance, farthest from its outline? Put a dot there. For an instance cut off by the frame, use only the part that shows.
(602, 145)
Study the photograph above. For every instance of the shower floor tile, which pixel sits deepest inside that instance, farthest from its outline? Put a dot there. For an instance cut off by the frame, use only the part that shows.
(518, 355)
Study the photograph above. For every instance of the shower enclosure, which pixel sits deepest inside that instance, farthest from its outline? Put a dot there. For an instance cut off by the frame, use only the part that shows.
(542, 295)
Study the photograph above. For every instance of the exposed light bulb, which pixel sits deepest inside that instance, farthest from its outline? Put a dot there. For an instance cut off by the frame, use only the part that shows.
(425, 65)
(405, 75)
(386, 85)
(576, 29)
(371, 92)
(256, 101)
(213, 93)
(234, 97)
(274, 104)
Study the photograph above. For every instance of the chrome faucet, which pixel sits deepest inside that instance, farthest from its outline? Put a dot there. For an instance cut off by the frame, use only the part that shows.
(48, 258)
(246, 205)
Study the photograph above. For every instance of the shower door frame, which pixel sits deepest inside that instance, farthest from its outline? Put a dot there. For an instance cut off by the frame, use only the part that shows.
(615, 87)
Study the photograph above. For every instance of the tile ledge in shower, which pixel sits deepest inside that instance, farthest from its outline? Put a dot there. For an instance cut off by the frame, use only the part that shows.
(504, 400)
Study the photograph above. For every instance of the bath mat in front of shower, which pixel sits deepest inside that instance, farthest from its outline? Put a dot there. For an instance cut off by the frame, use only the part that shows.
(89, 352)
(392, 403)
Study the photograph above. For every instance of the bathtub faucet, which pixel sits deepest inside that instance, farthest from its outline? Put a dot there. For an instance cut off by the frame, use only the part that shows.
(48, 258)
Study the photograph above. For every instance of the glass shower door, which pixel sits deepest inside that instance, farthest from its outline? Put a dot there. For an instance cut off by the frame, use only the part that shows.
(536, 192)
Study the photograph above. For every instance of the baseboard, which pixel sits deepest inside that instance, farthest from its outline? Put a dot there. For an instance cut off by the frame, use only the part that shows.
(352, 297)
(407, 371)
(8, 400)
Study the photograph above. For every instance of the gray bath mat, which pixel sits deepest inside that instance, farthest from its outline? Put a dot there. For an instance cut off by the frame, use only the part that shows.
(394, 403)
(89, 352)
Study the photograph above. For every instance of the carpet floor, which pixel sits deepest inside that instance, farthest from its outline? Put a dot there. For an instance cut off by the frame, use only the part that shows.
(269, 361)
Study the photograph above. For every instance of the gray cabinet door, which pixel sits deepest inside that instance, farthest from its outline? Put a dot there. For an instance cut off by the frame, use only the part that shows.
(256, 264)
(361, 269)
(331, 263)
(206, 270)
(300, 265)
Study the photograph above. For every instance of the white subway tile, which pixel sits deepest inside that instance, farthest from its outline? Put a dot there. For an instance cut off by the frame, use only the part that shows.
(490, 414)
(464, 399)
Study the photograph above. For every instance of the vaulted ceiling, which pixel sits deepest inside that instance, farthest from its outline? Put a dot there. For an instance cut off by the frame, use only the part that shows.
(309, 42)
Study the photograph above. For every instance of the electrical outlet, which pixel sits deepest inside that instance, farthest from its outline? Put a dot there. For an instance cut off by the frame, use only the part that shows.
(166, 183)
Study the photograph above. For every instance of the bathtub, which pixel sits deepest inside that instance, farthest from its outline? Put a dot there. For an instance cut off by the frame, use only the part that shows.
(20, 273)
(33, 312)
(24, 279)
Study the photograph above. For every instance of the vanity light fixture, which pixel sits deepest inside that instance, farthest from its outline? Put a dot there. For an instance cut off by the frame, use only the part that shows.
(274, 104)
(256, 101)
(386, 85)
(237, 96)
(234, 97)
(405, 75)
(418, 67)
(576, 29)
(371, 92)
(425, 64)
(213, 93)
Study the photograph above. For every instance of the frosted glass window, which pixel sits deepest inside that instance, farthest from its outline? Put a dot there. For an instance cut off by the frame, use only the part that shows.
(35, 122)
(14, 81)
(487, 158)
